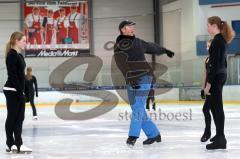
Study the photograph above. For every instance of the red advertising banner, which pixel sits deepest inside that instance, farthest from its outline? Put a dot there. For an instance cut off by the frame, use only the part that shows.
(57, 28)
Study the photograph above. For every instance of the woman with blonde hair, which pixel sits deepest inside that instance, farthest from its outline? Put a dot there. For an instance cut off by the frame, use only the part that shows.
(222, 34)
(14, 92)
(31, 80)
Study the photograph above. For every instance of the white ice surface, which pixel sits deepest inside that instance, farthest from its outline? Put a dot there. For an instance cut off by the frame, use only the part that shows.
(105, 136)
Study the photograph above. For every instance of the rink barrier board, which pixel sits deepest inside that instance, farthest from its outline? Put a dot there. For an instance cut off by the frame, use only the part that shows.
(122, 103)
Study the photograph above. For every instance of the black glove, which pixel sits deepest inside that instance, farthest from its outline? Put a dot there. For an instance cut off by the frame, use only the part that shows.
(134, 83)
(169, 53)
(36, 95)
(202, 94)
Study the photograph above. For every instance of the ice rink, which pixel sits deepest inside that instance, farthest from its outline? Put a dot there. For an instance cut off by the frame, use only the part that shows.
(104, 137)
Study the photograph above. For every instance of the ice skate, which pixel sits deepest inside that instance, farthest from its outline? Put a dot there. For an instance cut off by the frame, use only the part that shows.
(206, 136)
(131, 141)
(150, 141)
(21, 150)
(219, 143)
(35, 117)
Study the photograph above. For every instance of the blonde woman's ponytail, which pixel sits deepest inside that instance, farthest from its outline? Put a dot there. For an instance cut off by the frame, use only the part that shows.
(8, 47)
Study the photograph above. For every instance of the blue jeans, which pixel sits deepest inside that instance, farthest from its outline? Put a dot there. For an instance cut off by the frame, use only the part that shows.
(137, 99)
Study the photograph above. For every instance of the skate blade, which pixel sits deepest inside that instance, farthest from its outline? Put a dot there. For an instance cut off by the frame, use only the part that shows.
(222, 149)
(151, 145)
(8, 151)
(130, 146)
(218, 149)
(21, 152)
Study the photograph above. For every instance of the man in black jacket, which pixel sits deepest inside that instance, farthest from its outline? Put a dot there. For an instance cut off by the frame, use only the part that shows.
(129, 56)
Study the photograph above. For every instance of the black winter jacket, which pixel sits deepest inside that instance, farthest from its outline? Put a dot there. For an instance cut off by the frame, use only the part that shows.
(217, 58)
(129, 55)
(15, 70)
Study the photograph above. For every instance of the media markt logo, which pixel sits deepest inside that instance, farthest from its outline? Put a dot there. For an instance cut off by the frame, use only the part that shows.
(61, 53)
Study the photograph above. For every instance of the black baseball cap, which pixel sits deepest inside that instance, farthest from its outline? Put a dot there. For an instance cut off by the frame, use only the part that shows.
(124, 23)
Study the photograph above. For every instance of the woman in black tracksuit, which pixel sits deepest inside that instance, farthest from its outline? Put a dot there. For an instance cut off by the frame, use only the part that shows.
(14, 91)
(31, 80)
(216, 76)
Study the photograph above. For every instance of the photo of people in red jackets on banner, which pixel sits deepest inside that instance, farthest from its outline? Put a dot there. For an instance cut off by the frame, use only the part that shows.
(57, 29)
